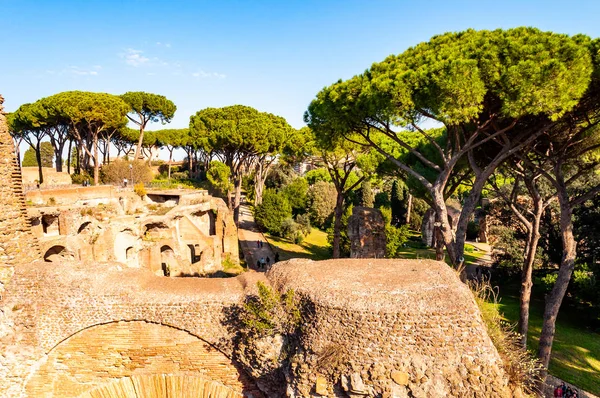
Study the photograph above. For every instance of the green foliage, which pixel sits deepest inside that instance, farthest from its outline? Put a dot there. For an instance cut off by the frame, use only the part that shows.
(321, 203)
(382, 199)
(218, 175)
(80, 178)
(118, 170)
(296, 193)
(270, 313)
(149, 107)
(271, 213)
(140, 189)
(279, 176)
(365, 194)
(46, 153)
(316, 175)
(344, 239)
(396, 237)
(304, 221)
(508, 250)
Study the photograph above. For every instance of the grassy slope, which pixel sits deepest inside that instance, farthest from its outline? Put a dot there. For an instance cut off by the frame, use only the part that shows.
(576, 351)
(314, 246)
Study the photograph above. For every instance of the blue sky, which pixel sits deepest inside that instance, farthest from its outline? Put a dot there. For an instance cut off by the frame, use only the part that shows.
(271, 55)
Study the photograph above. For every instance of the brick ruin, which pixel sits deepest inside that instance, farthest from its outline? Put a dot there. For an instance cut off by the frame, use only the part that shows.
(172, 234)
(102, 327)
(366, 230)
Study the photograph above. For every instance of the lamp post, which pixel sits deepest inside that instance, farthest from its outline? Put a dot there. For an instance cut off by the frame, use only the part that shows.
(131, 173)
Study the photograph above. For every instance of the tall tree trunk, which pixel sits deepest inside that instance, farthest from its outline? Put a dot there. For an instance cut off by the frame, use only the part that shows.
(238, 198)
(554, 299)
(69, 158)
(337, 224)
(258, 184)
(408, 208)
(445, 231)
(38, 157)
(138, 148)
(438, 239)
(526, 279)
(170, 159)
(79, 155)
(96, 162)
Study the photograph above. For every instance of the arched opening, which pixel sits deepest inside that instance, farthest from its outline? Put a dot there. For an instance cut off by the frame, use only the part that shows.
(129, 253)
(162, 385)
(167, 259)
(84, 226)
(96, 356)
(57, 253)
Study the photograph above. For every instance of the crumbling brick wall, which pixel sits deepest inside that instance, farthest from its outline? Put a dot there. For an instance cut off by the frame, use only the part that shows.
(17, 243)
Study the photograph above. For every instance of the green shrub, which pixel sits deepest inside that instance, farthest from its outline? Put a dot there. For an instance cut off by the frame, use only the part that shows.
(272, 212)
(269, 312)
(80, 178)
(395, 238)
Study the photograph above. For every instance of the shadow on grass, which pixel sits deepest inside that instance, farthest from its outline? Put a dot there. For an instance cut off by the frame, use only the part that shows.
(575, 351)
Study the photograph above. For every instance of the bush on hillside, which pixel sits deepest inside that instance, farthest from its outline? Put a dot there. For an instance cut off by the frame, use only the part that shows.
(271, 213)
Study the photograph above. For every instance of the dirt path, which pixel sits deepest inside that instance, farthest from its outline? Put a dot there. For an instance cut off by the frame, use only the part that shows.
(249, 236)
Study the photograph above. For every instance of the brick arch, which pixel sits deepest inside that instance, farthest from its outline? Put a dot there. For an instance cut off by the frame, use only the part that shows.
(162, 385)
(102, 353)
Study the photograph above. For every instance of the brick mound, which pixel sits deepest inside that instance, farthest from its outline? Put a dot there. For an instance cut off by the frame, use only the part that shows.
(405, 327)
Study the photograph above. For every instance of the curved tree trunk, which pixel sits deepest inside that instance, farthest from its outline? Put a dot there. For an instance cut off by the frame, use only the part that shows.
(554, 299)
(138, 148)
(526, 282)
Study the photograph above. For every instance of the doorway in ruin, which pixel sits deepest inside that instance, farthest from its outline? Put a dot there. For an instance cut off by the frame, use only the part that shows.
(167, 259)
(195, 253)
(50, 225)
(57, 253)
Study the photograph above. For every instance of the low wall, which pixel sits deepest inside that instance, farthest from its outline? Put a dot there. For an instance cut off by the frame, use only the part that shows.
(71, 195)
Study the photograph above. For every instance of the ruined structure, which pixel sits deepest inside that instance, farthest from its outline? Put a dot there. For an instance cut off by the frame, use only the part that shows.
(17, 244)
(103, 224)
(366, 230)
(372, 328)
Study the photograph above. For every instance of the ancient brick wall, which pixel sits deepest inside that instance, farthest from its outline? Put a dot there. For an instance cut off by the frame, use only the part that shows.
(366, 230)
(58, 310)
(96, 355)
(17, 244)
(389, 328)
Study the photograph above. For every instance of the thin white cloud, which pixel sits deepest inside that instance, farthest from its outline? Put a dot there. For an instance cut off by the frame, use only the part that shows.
(76, 70)
(161, 44)
(208, 75)
(134, 58)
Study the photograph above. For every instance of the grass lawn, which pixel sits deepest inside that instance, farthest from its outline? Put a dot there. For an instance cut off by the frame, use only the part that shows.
(576, 351)
(314, 246)
(411, 252)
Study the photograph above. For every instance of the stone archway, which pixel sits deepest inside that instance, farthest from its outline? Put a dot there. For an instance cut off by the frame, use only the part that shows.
(101, 355)
(57, 253)
(162, 385)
